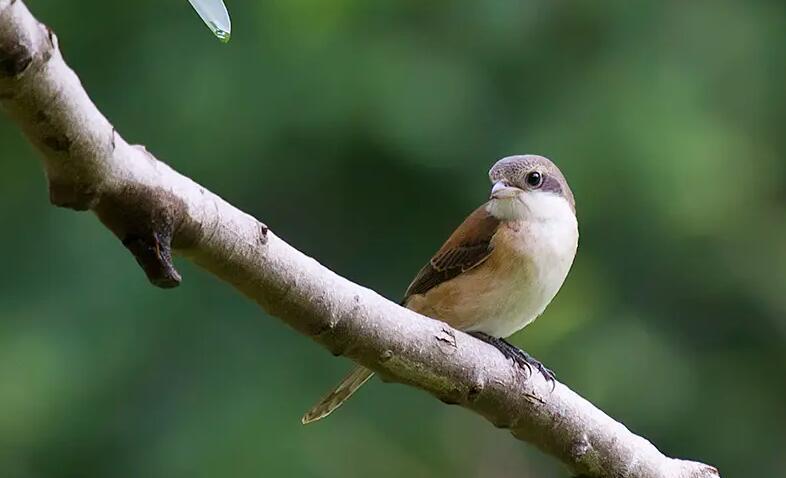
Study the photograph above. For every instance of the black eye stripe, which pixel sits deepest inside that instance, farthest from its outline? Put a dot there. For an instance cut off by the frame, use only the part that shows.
(551, 184)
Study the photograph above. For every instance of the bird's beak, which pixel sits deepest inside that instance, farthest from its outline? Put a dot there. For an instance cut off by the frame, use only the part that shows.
(501, 190)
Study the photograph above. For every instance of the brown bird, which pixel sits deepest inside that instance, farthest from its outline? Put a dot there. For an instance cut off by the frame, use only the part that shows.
(499, 270)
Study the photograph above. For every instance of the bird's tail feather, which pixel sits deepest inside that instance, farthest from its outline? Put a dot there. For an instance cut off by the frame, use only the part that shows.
(338, 395)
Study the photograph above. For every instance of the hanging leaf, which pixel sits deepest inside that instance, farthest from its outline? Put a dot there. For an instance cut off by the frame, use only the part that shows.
(214, 14)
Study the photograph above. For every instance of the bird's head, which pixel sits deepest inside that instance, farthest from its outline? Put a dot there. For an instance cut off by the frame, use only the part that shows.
(529, 187)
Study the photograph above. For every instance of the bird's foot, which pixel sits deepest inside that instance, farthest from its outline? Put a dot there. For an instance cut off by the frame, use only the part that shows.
(518, 356)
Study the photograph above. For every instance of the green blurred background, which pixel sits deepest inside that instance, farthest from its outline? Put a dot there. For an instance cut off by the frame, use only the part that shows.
(666, 117)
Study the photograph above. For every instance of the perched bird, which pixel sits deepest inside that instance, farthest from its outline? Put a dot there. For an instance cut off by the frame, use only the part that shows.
(499, 270)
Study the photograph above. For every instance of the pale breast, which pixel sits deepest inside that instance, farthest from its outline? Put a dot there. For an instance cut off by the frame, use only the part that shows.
(513, 286)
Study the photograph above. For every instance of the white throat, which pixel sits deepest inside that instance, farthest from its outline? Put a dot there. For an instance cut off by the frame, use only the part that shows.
(537, 206)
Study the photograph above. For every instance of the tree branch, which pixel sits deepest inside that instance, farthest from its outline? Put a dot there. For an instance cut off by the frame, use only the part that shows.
(152, 209)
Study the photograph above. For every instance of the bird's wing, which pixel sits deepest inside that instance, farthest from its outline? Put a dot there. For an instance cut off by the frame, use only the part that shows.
(466, 248)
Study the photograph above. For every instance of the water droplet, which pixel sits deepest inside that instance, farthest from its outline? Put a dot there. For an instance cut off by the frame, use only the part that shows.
(214, 14)
(222, 35)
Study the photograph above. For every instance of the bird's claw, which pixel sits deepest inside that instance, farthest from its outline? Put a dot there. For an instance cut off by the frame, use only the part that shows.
(546, 372)
(518, 356)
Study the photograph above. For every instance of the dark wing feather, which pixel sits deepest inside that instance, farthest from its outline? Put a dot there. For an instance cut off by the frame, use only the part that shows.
(465, 249)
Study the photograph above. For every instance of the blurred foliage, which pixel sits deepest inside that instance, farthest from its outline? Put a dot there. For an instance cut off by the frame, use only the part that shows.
(361, 132)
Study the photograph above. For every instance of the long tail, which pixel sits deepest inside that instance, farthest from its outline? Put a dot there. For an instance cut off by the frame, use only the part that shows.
(338, 395)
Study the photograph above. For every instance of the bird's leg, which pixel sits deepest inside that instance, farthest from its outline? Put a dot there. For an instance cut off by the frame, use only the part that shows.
(520, 357)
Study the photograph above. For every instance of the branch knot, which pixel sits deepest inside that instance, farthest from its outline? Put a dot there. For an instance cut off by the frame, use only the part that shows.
(145, 220)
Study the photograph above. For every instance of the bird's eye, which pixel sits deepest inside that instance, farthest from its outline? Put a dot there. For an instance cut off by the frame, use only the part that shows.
(534, 179)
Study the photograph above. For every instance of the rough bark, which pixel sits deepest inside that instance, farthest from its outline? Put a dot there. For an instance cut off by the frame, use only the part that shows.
(154, 210)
